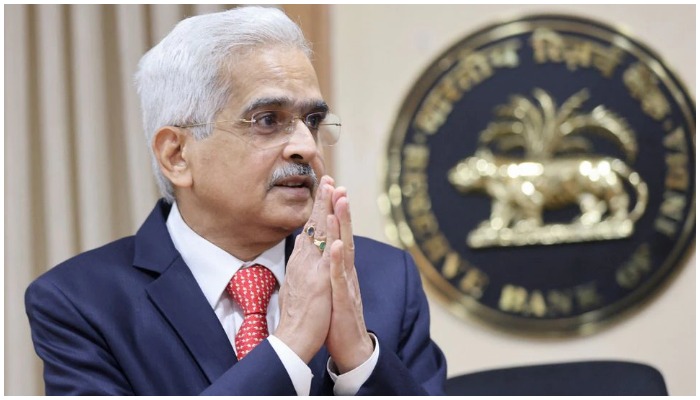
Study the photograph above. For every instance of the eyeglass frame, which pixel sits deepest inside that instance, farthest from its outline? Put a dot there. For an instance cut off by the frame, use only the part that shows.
(288, 129)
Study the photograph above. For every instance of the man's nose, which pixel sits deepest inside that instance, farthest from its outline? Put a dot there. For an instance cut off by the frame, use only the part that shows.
(302, 143)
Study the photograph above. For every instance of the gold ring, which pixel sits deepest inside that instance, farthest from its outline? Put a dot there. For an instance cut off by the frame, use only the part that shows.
(321, 244)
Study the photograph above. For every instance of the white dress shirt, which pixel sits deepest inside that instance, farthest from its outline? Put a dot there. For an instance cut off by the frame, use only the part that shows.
(213, 268)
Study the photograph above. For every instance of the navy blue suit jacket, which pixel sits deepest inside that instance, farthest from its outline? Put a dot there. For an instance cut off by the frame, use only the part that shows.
(129, 318)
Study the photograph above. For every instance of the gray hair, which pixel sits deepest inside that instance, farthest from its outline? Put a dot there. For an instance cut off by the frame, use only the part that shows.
(180, 80)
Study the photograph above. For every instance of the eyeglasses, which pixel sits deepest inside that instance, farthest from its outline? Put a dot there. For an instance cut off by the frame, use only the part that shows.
(271, 128)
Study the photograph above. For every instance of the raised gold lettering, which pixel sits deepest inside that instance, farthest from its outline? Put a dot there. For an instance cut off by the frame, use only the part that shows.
(606, 59)
(675, 140)
(639, 265)
(547, 46)
(560, 302)
(673, 205)
(451, 265)
(448, 89)
(644, 86)
(587, 296)
(677, 162)
(578, 55)
(512, 299)
(415, 156)
(424, 225)
(556, 302)
(472, 69)
(505, 55)
(418, 204)
(677, 179)
(677, 175)
(413, 183)
(536, 305)
(665, 226)
(433, 113)
(516, 299)
(550, 46)
(474, 283)
(436, 248)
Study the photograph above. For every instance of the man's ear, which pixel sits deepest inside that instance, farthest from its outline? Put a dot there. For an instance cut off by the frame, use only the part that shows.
(169, 146)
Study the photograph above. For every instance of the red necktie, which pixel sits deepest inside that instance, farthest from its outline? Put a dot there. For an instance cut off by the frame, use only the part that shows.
(251, 288)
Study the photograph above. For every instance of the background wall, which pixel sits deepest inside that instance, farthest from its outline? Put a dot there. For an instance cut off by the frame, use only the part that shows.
(378, 52)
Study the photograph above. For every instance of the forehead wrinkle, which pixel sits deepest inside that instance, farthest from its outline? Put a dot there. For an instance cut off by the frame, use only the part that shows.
(286, 102)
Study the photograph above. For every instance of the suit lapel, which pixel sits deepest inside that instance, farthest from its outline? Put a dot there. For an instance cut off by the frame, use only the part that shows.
(289, 246)
(176, 294)
(180, 300)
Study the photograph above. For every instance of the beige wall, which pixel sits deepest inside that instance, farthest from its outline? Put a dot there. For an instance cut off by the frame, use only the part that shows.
(379, 52)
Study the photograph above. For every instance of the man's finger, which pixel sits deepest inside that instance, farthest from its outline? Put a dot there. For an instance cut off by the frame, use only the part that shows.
(338, 193)
(339, 287)
(342, 210)
(333, 232)
(316, 225)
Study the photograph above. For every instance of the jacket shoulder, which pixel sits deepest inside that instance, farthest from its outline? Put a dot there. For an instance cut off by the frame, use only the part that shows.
(383, 262)
(363, 243)
(103, 261)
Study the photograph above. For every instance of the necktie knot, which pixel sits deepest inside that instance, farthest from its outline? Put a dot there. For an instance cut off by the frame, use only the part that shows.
(251, 288)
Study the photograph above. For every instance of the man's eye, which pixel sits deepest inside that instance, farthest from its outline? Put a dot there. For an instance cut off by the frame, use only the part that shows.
(267, 120)
(313, 121)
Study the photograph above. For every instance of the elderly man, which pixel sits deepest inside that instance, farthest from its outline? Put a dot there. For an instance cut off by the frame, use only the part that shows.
(245, 278)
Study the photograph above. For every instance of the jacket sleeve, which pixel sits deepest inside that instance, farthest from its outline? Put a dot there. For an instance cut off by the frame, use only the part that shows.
(419, 366)
(260, 373)
(77, 360)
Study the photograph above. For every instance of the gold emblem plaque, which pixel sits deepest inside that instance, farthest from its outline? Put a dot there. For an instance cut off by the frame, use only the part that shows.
(542, 174)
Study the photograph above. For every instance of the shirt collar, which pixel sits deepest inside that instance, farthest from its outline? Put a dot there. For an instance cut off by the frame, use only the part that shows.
(211, 265)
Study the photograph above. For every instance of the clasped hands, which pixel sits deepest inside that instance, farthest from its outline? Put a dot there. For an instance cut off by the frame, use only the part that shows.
(320, 298)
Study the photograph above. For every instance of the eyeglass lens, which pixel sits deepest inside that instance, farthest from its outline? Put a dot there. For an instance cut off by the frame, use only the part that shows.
(274, 127)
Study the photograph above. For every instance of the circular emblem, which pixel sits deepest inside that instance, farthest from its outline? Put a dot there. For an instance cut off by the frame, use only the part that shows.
(542, 174)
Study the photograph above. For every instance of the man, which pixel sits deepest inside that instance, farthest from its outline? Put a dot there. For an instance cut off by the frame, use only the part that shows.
(236, 124)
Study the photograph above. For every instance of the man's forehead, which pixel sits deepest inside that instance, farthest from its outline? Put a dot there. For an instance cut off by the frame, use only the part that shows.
(285, 102)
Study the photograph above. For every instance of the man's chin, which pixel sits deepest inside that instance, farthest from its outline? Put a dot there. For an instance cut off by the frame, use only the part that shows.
(292, 194)
(294, 217)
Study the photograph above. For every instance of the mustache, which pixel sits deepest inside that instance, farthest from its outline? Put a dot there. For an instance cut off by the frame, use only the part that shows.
(293, 169)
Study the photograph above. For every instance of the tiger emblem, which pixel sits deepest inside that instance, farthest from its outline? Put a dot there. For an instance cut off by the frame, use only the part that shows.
(522, 190)
(557, 169)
